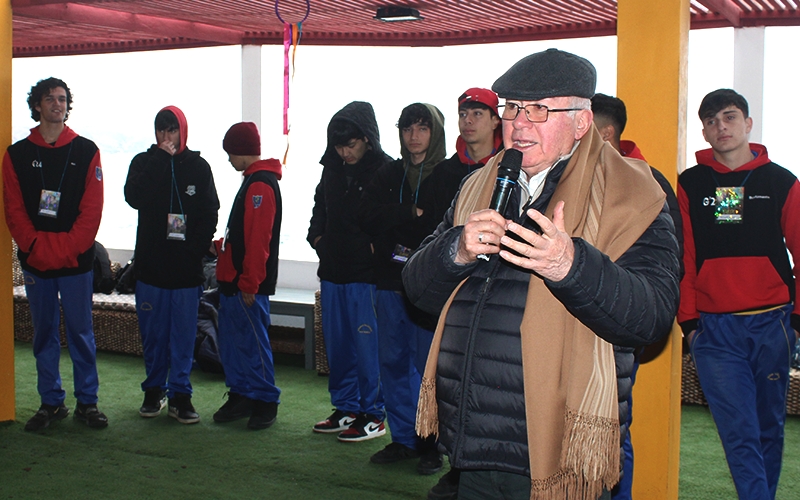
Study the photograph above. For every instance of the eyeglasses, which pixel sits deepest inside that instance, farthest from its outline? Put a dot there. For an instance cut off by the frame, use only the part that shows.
(536, 113)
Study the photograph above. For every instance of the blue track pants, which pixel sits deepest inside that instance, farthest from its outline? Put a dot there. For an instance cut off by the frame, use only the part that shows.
(76, 302)
(622, 491)
(403, 350)
(168, 324)
(743, 366)
(244, 347)
(351, 342)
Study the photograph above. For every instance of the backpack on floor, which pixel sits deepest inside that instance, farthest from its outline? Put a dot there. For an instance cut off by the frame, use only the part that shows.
(206, 347)
(103, 277)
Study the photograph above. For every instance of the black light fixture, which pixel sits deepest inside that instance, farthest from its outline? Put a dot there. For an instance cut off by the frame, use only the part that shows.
(394, 14)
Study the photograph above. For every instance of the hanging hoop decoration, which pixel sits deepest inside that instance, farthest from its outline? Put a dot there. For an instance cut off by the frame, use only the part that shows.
(278, 13)
(291, 38)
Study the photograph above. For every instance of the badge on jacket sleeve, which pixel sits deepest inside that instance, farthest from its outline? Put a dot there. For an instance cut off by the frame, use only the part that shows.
(257, 200)
(98, 173)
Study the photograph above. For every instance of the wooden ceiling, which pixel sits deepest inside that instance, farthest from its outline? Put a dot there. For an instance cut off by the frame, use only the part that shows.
(51, 27)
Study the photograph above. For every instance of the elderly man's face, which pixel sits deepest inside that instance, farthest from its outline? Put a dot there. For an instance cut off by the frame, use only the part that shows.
(543, 143)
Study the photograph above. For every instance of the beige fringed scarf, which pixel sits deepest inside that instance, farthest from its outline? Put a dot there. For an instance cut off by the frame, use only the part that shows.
(569, 372)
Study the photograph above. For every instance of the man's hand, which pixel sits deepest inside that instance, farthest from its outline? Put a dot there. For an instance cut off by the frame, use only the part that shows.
(549, 254)
(248, 298)
(481, 236)
(168, 147)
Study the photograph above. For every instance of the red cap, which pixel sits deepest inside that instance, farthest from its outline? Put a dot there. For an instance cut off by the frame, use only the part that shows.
(483, 96)
(242, 139)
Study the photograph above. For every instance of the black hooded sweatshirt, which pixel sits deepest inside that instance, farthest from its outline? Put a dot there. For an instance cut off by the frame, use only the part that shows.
(344, 250)
(159, 261)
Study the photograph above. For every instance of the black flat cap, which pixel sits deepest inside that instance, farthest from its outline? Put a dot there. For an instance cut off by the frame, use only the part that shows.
(552, 73)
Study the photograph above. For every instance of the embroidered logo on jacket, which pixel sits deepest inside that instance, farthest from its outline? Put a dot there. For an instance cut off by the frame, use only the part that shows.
(190, 190)
(257, 200)
(36, 164)
(98, 173)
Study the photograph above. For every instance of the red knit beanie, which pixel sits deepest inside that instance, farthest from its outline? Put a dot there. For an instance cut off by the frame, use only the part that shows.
(242, 139)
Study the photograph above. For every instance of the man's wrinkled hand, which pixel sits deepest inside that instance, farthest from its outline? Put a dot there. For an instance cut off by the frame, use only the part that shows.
(549, 254)
(481, 236)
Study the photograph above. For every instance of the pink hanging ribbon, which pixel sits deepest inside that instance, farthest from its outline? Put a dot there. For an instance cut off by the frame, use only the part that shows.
(287, 43)
(291, 37)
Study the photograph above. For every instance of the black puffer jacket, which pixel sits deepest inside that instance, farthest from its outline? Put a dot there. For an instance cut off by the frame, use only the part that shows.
(344, 250)
(629, 303)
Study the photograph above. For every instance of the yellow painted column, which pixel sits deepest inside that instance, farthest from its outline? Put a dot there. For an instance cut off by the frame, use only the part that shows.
(7, 407)
(653, 39)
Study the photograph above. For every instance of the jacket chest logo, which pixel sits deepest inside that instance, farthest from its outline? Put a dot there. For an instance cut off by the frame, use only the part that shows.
(36, 164)
(190, 190)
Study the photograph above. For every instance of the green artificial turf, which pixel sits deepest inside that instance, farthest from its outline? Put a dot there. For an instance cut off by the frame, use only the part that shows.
(704, 472)
(159, 458)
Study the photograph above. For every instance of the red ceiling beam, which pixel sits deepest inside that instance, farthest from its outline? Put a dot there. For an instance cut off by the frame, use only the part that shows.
(157, 26)
(726, 8)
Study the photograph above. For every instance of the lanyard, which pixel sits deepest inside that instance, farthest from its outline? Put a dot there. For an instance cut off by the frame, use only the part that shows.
(714, 175)
(174, 189)
(419, 181)
(41, 170)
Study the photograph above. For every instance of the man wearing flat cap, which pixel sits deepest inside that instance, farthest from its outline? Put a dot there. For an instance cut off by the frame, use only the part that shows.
(541, 304)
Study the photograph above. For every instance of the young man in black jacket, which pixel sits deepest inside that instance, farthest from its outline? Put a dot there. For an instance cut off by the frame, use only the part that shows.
(173, 189)
(346, 272)
(397, 210)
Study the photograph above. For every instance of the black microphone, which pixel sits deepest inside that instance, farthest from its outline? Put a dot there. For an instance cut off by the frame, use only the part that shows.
(507, 175)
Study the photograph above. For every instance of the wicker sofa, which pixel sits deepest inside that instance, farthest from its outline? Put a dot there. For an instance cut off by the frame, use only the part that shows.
(116, 327)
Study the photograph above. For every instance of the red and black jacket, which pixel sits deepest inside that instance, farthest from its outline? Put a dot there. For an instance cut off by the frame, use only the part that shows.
(50, 247)
(738, 267)
(249, 261)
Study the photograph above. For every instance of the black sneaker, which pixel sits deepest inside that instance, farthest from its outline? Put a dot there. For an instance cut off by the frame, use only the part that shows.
(364, 427)
(155, 399)
(181, 409)
(264, 415)
(91, 416)
(430, 462)
(447, 487)
(236, 407)
(338, 421)
(45, 416)
(393, 452)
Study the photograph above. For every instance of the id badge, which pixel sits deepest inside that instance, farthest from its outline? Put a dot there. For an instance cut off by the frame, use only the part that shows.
(48, 203)
(401, 254)
(176, 227)
(730, 205)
